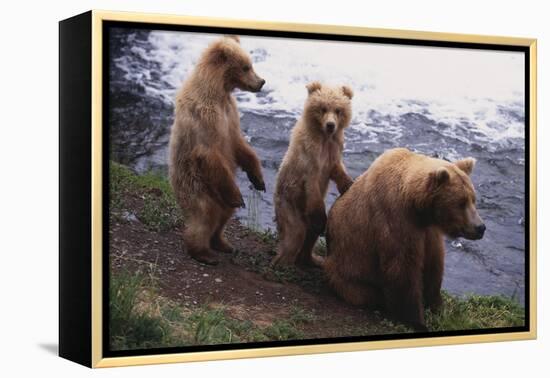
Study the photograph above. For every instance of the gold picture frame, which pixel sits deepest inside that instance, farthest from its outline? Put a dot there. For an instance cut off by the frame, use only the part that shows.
(90, 329)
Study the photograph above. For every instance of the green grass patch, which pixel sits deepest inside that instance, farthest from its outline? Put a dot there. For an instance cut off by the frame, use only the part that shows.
(267, 236)
(476, 312)
(291, 328)
(213, 326)
(148, 195)
(129, 327)
(141, 318)
(281, 330)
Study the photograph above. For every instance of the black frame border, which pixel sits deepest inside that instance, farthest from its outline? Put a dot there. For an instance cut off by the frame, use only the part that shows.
(75, 184)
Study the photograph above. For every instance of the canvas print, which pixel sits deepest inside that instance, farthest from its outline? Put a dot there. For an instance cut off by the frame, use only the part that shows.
(266, 190)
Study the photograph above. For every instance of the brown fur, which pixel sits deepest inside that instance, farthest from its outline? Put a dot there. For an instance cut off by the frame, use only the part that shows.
(206, 146)
(385, 235)
(313, 158)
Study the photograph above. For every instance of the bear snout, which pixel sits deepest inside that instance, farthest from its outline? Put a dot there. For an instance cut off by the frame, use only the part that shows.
(260, 83)
(475, 232)
(330, 126)
(480, 230)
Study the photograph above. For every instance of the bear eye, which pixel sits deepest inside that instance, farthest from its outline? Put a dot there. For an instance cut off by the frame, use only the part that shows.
(338, 111)
(246, 68)
(324, 109)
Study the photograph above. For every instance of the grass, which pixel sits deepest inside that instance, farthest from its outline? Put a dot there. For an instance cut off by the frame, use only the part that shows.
(214, 326)
(476, 312)
(141, 318)
(155, 205)
(129, 327)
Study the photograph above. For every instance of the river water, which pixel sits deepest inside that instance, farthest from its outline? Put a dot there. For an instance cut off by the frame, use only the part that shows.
(448, 103)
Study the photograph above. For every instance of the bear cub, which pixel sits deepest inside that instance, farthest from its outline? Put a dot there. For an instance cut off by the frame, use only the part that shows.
(313, 158)
(385, 235)
(207, 146)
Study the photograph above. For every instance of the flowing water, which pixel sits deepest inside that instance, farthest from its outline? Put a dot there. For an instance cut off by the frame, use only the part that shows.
(448, 103)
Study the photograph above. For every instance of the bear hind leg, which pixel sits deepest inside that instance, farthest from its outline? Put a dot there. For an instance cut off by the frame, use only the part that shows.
(218, 241)
(306, 257)
(357, 293)
(199, 229)
(292, 233)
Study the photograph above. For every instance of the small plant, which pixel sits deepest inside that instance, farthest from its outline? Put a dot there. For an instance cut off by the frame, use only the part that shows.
(321, 247)
(253, 210)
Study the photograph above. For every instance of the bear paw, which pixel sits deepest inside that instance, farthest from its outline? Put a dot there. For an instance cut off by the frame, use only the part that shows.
(204, 256)
(236, 202)
(258, 182)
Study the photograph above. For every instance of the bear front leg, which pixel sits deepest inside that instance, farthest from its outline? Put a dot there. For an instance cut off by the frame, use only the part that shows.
(340, 177)
(433, 271)
(246, 159)
(403, 298)
(219, 179)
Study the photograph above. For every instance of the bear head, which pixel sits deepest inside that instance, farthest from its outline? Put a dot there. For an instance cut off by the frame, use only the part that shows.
(328, 109)
(227, 61)
(449, 199)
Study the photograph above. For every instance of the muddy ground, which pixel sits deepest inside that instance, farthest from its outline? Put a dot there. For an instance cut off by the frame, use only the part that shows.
(243, 283)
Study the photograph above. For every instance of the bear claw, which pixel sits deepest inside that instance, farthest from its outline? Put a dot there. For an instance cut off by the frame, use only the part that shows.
(258, 183)
(237, 203)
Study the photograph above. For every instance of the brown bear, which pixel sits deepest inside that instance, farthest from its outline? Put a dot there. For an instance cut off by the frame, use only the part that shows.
(385, 235)
(314, 157)
(206, 146)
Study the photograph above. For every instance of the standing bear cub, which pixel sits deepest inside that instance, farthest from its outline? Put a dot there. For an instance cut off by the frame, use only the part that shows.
(385, 235)
(206, 146)
(313, 158)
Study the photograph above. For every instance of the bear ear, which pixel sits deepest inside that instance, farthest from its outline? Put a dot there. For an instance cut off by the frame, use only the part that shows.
(466, 165)
(438, 177)
(218, 56)
(218, 53)
(348, 92)
(313, 86)
(234, 37)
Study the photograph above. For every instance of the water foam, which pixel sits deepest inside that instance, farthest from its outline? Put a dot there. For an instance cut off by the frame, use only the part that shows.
(478, 88)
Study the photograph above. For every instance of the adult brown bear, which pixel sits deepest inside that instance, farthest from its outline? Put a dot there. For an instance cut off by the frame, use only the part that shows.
(207, 146)
(385, 235)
